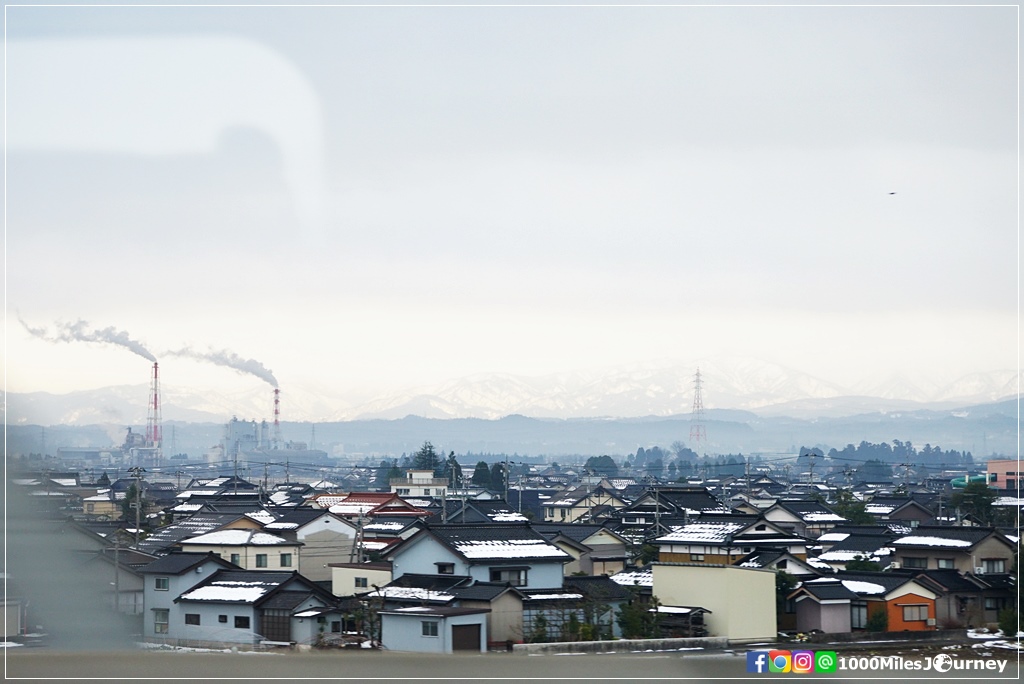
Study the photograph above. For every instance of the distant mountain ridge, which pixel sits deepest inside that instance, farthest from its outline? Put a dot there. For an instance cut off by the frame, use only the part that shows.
(651, 389)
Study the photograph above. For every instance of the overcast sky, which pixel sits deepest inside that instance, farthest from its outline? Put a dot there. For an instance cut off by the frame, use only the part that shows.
(371, 198)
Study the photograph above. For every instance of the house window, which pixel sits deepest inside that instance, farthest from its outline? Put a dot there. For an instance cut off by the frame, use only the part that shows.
(236, 559)
(162, 583)
(426, 491)
(261, 560)
(551, 512)
(402, 492)
(446, 568)
(191, 618)
(429, 628)
(915, 613)
(914, 562)
(335, 626)
(993, 565)
(781, 565)
(222, 618)
(514, 576)
(696, 557)
(286, 560)
(944, 563)
(241, 622)
(160, 618)
(992, 603)
(362, 583)
(858, 615)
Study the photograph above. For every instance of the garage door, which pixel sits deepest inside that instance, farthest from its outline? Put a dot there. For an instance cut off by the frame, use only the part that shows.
(466, 638)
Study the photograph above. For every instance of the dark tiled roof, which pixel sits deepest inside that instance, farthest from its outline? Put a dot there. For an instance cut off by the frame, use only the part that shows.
(286, 600)
(482, 591)
(178, 563)
(161, 540)
(597, 588)
(949, 580)
(432, 582)
(826, 591)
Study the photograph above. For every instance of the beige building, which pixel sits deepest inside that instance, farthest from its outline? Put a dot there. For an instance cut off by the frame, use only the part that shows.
(248, 549)
(348, 579)
(741, 601)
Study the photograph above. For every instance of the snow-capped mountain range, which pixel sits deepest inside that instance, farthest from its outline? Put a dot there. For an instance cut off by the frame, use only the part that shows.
(651, 389)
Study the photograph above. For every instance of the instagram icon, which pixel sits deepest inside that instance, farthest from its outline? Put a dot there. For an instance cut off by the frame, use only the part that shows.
(803, 662)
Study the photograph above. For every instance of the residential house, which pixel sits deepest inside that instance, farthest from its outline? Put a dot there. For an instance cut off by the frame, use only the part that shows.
(595, 549)
(806, 518)
(909, 604)
(325, 538)
(348, 579)
(250, 607)
(167, 578)
(579, 504)
(977, 550)
(725, 539)
(512, 553)
(967, 600)
(779, 561)
(248, 549)
(434, 629)
(899, 509)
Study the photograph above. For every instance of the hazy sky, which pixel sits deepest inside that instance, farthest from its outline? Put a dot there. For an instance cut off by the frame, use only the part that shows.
(380, 197)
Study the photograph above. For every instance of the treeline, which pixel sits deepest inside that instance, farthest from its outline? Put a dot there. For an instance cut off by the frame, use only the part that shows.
(902, 452)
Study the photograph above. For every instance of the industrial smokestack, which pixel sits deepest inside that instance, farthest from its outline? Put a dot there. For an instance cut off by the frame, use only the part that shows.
(154, 436)
(277, 418)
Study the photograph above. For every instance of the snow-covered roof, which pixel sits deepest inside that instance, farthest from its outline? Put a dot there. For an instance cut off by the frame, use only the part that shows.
(701, 532)
(352, 508)
(856, 586)
(229, 590)
(508, 516)
(629, 578)
(847, 556)
(678, 610)
(278, 525)
(552, 597)
(823, 517)
(508, 548)
(307, 613)
(833, 537)
(261, 516)
(64, 482)
(916, 540)
(385, 525)
(412, 593)
(237, 538)
(879, 509)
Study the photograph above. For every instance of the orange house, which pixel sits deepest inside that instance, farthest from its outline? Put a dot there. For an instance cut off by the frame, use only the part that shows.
(911, 612)
(909, 604)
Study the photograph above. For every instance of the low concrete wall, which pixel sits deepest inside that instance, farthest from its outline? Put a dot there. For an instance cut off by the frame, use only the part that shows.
(621, 645)
(875, 637)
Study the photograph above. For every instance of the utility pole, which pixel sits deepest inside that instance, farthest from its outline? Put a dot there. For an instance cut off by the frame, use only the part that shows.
(117, 570)
(136, 472)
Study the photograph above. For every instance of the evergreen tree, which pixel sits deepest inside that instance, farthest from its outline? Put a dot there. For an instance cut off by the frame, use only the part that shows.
(426, 458)
(481, 475)
(498, 477)
(453, 471)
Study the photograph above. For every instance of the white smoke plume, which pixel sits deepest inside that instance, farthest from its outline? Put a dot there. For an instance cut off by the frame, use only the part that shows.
(229, 359)
(80, 331)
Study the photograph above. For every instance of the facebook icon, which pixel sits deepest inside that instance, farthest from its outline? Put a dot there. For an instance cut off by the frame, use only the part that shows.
(757, 661)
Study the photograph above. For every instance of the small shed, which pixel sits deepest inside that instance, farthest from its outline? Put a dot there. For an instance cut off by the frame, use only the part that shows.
(424, 629)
